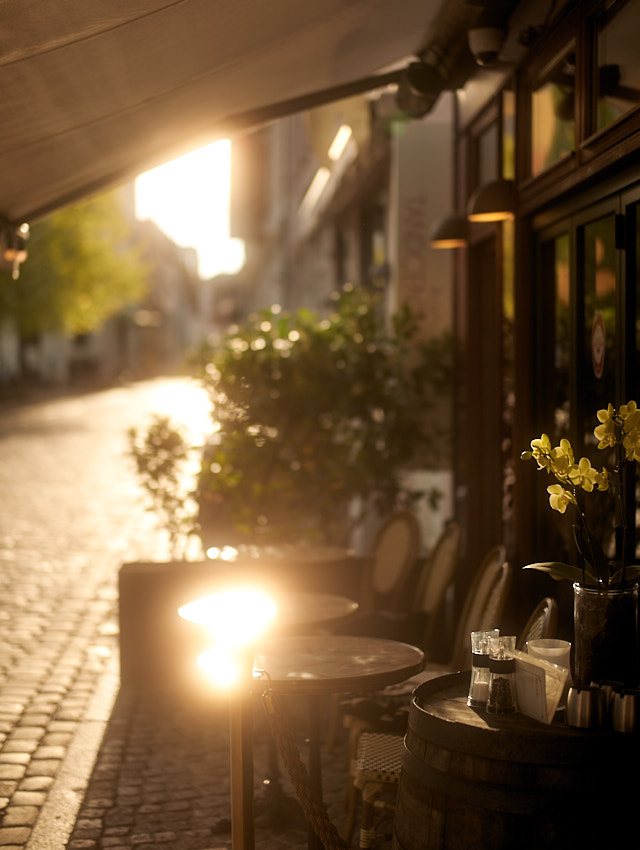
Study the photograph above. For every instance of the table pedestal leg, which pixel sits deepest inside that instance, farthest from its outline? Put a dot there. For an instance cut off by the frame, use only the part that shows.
(315, 766)
(241, 754)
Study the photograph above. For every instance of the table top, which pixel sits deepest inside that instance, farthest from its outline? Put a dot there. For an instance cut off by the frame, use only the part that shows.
(334, 664)
(293, 608)
(308, 608)
(303, 553)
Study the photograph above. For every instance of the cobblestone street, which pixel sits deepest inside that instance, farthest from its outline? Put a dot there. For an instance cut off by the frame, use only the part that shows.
(83, 764)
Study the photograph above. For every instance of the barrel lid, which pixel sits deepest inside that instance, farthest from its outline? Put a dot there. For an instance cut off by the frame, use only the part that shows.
(439, 713)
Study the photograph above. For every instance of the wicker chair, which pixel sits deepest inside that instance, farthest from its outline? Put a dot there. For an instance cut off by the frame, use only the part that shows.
(542, 622)
(392, 560)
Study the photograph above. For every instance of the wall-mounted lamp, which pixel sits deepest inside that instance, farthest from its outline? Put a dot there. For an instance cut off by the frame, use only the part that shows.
(449, 231)
(495, 201)
(14, 246)
(419, 88)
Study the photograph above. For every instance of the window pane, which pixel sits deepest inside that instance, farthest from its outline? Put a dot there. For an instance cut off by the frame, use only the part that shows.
(562, 346)
(636, 359)
(552, 114)
(635, 274)
(508, 135)
(618, 64)
(598, 374)
(555, 360)
(488, 155)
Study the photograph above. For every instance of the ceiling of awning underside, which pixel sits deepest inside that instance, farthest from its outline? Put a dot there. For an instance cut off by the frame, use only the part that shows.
(96, 92)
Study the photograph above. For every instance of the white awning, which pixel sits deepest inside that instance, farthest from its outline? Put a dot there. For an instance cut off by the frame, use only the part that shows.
(97, 91)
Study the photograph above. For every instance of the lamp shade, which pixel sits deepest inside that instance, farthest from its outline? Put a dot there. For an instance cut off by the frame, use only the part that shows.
(494, 201)
(449, 231)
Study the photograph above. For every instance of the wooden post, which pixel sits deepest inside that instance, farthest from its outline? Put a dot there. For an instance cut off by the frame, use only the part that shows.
(241, 752)
(241, 757)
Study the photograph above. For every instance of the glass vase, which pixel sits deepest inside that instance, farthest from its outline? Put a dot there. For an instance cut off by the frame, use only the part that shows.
(605, 635)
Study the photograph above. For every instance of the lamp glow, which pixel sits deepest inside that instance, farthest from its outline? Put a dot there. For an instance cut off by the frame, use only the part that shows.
(222, 666)
(234, 617)
(494, 201)
(450, 231)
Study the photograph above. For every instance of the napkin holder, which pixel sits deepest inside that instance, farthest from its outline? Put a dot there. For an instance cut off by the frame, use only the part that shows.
(540, 686)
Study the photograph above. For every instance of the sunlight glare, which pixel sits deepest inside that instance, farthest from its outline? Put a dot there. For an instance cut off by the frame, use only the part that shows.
(188, 198)
(188, 403)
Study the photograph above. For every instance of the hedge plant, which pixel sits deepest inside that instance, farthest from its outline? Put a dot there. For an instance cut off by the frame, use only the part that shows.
(315, 420)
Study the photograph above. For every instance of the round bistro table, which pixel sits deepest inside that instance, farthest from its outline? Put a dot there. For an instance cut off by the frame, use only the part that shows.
(310, 666)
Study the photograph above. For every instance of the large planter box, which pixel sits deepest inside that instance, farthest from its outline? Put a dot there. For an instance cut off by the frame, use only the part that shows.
(158, 649)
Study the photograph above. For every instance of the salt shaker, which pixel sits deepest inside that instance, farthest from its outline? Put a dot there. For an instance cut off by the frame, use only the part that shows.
(479, 684)
(502, 675)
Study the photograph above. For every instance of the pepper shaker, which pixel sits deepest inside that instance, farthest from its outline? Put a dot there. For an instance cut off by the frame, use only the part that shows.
(502, 675)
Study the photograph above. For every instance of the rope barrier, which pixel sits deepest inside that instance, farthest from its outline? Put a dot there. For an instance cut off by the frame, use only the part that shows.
(313, 808)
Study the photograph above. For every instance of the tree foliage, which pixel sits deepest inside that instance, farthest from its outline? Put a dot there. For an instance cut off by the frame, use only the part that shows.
(82, 268)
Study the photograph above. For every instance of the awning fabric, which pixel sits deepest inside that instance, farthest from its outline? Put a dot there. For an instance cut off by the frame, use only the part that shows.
(97, 91)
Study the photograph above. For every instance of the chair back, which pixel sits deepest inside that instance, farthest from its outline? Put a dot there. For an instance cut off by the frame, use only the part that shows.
(393, 555)
(483, 605)
(542, 622)
(436, 576)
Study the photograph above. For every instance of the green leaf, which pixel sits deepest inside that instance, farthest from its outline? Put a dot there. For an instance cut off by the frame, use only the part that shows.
(560, 571)
(631, 575)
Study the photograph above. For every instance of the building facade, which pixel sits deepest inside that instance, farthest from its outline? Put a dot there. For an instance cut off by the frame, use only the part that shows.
(542, 300)
(546, 300)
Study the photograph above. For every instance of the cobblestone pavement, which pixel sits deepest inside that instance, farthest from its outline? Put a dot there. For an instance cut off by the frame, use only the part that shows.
(83, 764)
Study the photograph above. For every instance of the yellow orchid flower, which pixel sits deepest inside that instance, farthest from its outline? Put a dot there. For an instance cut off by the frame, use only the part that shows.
(583, 475)
(617, 429)
(606, 432)
(559, 498)
(627, 410)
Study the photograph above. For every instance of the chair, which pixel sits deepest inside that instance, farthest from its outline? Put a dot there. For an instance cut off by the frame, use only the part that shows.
(541, 624)
(483, 605)
(413, 622)
(436, 578)
(483, 608)
(414, 626)
(392, 557)
(378, 764)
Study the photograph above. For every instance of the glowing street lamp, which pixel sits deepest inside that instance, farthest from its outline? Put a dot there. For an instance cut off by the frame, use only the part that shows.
(235, 618)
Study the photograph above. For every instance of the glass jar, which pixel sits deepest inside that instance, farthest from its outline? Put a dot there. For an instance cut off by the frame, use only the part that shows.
(605, 635)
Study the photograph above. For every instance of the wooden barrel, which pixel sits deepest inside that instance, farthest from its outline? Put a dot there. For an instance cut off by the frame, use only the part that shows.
(472, 780)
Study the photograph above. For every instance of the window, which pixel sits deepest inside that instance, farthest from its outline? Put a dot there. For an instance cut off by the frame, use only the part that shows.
(618, 77)
(553, 133)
